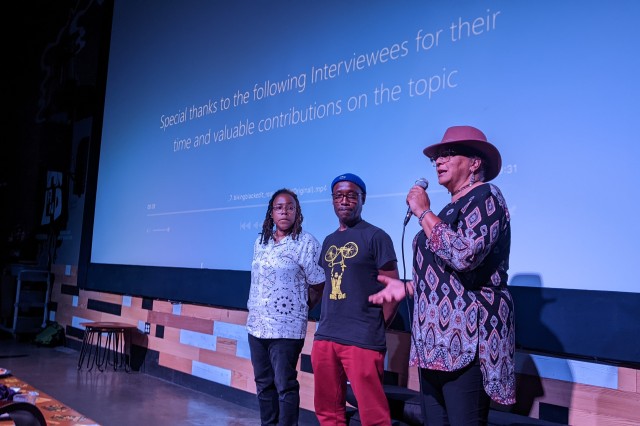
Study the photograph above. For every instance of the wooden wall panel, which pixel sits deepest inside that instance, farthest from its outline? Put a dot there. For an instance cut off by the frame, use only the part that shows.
(308, 340)
(226, 346)
(216, 314)
(133, 315)
(90, 315)
(627, 379)
(172, 334)
(203, 312)
(588, 405)
(234, 316)
(306, 390)
(175, 362)
(413, 382)
(103, 297)
(594, 400)
(173, 348)
(226, 361)
(136, 303)
(59, 273)
(181, 322)
(243, 381)
(83, 297)
(398, 355)
(607, 402)
(64, 317)
(162, 306)
(582, 418)
(66, 300)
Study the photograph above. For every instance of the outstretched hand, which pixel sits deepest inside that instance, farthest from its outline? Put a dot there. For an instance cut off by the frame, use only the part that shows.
(394, 290)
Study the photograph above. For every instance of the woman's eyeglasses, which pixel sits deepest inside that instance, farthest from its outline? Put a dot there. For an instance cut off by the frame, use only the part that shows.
(444, 156)
(284, 208)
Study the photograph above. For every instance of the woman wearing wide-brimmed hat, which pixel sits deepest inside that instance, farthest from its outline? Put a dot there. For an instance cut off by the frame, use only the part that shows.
(463, 335)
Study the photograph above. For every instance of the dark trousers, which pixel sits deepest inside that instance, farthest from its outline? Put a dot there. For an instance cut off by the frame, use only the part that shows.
(454, 398)
(274, 367)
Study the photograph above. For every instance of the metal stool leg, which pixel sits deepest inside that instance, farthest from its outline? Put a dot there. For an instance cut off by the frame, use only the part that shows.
(113, 346)
(101, 352)
(92, 337)
(119, 346)
(84, 348)
(126, 349)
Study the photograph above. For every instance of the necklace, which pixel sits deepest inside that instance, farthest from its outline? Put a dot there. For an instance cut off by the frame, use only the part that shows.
(463, 187)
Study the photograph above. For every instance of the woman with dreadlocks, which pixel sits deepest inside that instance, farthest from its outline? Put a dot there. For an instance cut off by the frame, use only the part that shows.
(285, 264)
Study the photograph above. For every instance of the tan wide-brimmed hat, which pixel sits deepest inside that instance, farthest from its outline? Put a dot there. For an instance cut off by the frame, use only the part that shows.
(469, 140)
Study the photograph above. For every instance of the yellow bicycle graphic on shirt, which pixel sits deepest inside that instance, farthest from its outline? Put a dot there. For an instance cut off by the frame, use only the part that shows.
(335, 256)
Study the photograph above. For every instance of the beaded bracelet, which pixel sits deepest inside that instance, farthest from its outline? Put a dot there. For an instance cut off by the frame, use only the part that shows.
(422, 216)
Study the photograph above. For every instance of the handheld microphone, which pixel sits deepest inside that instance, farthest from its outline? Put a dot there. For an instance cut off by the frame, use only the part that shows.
(424, 184)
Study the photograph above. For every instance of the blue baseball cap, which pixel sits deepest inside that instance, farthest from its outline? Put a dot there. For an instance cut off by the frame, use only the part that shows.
(350, 177)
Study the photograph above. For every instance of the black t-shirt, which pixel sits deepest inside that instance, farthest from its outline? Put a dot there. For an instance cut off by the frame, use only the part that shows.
(351, 260)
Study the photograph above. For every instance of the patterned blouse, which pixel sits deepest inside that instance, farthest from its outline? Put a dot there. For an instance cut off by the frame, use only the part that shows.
(280, 277)
(462, 307)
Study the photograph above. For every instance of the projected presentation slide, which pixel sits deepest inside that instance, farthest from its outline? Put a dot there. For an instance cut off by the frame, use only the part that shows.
(210, 107)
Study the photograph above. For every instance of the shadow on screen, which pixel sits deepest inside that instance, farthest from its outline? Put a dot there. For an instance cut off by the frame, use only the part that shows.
(533, 337)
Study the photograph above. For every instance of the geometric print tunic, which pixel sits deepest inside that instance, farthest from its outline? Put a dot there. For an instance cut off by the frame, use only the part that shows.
(462, 307)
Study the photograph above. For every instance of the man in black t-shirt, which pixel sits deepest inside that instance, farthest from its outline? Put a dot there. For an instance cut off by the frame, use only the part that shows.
(350, 342)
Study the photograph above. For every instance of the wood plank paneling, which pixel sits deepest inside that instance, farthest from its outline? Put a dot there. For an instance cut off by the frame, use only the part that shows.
(103, 297)
(413, 381)
(226, 346)
(173, 348)
(162, 306)
(235, 317)
(216, 314)
(172, 334)
(588, 405)
(581, 418)
(398, 355)
(627, 380)
(243, 381)
(181, 322)
(136, 303)
(203, 312)
(133, 315)
(306, 390)
(226, 361)
(592, 399)
(308, 340)
(174, 362)
(59, 273)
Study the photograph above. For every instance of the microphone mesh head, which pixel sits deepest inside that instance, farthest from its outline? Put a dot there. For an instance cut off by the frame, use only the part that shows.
(422, 182)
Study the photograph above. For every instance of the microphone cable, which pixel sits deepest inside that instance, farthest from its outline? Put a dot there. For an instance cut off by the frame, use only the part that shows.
(410, 314)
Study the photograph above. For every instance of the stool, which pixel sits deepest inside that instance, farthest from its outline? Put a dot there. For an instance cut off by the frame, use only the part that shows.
(104, 344)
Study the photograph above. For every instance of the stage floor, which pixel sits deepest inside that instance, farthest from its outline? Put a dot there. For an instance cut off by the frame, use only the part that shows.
(117, 398)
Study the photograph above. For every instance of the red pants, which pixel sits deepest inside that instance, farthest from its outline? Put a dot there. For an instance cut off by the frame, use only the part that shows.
(333, 364)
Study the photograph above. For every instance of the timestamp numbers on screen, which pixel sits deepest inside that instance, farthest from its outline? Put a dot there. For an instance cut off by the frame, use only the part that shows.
(509, 169)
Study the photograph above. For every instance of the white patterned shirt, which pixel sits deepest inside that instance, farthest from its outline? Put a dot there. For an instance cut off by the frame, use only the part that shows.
(280, 277)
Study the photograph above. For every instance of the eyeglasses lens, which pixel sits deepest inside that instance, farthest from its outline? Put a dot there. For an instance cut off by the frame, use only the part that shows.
(351, 196)
(284, 208)
(443, 156)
